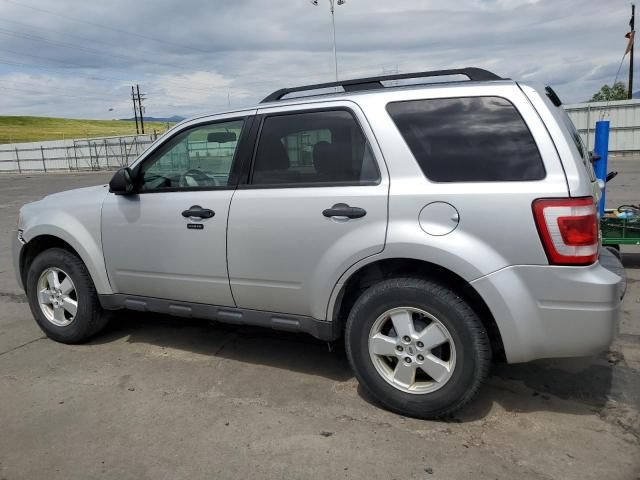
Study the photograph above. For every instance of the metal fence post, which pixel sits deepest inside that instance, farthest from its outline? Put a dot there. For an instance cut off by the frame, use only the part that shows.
(95, 146)
(123, 156)
(106, 153)
(18, 161)
(44, 165)
(66, 156)
(75, 154)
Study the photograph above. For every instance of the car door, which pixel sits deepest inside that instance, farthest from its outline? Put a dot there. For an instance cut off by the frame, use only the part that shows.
(314, 203)
(168, 240)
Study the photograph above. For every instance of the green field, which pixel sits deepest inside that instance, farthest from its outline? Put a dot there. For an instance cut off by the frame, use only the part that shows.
(32, 129)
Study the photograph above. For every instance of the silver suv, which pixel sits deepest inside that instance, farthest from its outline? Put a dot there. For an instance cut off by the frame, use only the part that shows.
(433, 226)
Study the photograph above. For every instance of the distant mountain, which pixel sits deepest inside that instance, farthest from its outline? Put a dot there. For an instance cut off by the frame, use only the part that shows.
(173, 119)
(635, 94)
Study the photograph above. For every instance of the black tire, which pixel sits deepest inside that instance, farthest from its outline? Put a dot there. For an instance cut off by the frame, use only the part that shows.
(473, 351)
(89, 319)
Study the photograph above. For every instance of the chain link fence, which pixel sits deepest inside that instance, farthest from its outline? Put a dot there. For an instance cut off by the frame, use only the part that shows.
(102, 153)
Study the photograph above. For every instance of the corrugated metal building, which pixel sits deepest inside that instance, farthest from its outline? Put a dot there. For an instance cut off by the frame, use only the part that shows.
(624, 115)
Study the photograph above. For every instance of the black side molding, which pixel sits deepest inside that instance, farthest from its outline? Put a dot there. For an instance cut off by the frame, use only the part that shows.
(320, 329)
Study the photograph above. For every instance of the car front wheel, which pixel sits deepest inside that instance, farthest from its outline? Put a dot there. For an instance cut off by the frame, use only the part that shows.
(62, 297)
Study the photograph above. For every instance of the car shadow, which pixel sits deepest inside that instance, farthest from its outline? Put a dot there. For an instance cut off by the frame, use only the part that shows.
(631, 259)
(576, 386)
(290, 351)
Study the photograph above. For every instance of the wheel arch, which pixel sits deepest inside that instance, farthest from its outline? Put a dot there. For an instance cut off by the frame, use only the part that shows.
(38, 245)
(380, 269)
(42, 241)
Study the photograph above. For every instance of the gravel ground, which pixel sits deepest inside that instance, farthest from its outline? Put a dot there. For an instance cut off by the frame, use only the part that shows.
(160, 397)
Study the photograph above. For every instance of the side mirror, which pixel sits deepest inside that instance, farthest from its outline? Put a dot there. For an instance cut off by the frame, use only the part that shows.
(122, 182)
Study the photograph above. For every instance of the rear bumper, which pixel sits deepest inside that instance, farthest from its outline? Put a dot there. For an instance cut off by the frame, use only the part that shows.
(553, 311)
(16, 250)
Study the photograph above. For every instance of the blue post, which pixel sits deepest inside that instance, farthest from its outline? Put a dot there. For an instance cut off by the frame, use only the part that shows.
(601, 147)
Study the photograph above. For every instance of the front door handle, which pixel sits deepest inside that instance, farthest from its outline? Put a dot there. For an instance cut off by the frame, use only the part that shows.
(344, 210)
(198, 211)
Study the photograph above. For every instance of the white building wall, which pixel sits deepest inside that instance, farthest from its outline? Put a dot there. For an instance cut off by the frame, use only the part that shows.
(624, 118)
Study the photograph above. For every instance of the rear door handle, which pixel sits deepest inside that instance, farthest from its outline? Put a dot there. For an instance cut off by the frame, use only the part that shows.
(199, 212)
(344, 210)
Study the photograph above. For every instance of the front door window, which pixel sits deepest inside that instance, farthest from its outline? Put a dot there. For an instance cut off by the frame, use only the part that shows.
(199, 157)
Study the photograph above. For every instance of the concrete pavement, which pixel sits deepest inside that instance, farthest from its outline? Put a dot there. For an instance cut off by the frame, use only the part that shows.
(164, 398)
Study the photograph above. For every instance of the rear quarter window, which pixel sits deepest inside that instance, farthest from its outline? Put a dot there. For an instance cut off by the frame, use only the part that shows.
(468, 139)
(580, 146)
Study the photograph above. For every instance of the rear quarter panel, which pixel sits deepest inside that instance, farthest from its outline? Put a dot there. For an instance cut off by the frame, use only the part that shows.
(578, 180)
(496, 227)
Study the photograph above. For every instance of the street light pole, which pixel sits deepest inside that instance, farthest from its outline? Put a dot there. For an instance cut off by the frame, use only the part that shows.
(332, 5)
(632, 24)
(333, 27)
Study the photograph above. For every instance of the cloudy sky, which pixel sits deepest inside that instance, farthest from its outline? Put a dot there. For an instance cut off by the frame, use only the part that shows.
(78, 58)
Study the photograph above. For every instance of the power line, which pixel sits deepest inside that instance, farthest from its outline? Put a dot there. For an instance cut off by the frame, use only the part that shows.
(39, 57)
(13, 23)
(73, 46)
(57, 93)
(134, 59)
(119, 30)
(70, 45)
(83, 21)
(175, 84)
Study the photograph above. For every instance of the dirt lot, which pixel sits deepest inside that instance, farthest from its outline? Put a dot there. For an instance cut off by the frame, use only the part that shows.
(157, 397)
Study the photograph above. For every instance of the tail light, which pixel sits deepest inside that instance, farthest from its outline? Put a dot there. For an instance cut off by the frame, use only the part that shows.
(568, 228)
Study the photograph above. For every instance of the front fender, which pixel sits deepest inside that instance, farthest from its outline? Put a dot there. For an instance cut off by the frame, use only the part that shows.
(83, 238)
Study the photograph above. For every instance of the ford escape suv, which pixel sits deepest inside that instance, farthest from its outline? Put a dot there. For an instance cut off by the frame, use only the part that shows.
(433, 227)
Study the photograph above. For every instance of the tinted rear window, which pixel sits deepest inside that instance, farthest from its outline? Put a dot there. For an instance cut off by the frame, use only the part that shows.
(471, 139)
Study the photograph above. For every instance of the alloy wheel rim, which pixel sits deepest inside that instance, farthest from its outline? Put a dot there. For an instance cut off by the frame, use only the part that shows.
(412, 350)
(57, 297)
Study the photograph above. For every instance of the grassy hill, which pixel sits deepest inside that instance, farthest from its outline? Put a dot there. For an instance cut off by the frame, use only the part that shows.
(32, 129)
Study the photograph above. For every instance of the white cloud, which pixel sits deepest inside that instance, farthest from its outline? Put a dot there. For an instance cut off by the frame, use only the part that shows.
(193, 56)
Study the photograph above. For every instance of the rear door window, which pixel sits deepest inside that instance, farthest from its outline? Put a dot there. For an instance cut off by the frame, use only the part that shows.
(313, 148)
(470, 139)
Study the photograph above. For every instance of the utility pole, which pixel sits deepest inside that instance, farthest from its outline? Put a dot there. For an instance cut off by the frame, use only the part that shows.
(141, 109)
(632, 24)
(332, 4)
(135, 108)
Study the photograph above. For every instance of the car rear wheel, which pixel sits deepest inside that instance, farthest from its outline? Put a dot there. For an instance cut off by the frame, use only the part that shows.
(417, 347)
(62, 297)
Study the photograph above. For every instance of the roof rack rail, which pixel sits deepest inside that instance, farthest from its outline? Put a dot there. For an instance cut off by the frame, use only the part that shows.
(372, 83)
